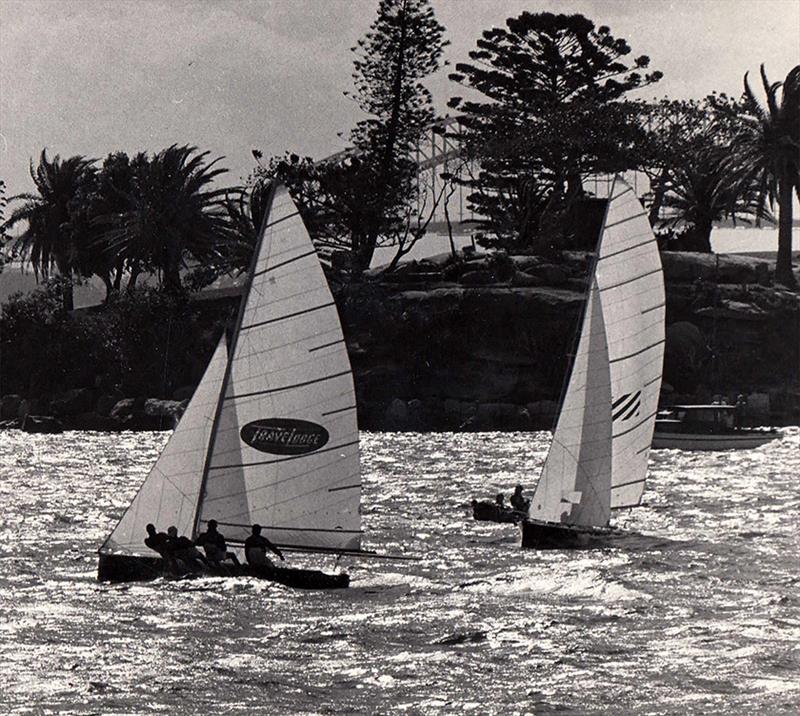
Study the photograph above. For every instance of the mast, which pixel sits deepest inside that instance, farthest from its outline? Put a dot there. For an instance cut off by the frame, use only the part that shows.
(231, 350)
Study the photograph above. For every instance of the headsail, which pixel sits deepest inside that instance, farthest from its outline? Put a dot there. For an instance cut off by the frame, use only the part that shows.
(285, 451)
(170, 492)
(598, 457)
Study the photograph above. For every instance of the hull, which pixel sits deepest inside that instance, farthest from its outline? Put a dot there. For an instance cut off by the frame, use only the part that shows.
(490, 512)
(126, 568)
(713, 441)
(549, 535)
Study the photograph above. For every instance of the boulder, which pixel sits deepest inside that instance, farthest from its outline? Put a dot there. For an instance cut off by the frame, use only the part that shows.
(124, 408)
(477, 278)
(522, 278)
(9, 406)
(42, 424)
(105, 404)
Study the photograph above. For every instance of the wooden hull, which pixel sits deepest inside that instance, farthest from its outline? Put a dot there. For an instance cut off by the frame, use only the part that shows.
(127, 568)
(713, 441)
(485, 511)
(549, 535)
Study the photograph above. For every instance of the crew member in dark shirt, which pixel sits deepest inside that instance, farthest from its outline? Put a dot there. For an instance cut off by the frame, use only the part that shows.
(159, 542)
(183, 549)
(255, 549)
(518, 501)
(214, 545)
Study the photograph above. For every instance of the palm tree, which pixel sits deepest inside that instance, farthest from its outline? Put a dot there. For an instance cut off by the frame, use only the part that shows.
(47, 241)
(767, 155)
(171, 214)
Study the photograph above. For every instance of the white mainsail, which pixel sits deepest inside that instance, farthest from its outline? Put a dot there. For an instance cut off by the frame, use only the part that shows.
(598, 457)
(284, 453)
(169, 494)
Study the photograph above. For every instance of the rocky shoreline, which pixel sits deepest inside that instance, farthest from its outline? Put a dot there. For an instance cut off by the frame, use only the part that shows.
(482, 343)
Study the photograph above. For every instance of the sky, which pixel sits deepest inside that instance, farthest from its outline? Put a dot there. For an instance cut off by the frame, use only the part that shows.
(93, 76)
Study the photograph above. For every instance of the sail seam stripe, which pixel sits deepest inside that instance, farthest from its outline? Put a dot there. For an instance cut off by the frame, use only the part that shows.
(639, 424)
(653, 308)
(288, 315)
(282, 219)
(628, 484)
(644, 449)
(622, 193)
(631, 280)
(619, 401)
(622, 221)
(283, 459)
(288, 387)
(631, 355)
(633, 411)
(622, 251)
(650, 382)
(283, 263)
(340, 410)
(344, 487)
(325, 345)
(627, 405)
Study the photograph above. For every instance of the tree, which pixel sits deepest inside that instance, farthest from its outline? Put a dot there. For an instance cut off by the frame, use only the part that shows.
(692, 184)
(554, 113)
(169, 214)
(766, 153)
(47, 241)
(404, 45)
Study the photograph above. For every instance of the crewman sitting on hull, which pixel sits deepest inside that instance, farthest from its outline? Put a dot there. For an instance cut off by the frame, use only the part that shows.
(159, 542)
(182, 549)
(215, 547)
(255, 549)
(518, 501)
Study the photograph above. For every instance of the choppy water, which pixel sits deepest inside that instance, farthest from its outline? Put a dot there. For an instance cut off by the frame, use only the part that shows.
(697, 611)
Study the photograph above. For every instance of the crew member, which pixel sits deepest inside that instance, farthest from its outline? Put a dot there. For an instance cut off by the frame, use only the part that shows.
(214, 545)
(255, 549)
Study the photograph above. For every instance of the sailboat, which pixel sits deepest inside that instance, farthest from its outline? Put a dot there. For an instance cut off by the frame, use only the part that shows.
(270, 435)
(597, 461)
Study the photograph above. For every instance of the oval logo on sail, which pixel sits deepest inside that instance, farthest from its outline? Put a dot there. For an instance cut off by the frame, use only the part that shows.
(284, 436)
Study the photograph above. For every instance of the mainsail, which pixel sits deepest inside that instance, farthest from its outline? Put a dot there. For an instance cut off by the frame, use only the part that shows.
(284, 452)
(270, 435)
(598, 457)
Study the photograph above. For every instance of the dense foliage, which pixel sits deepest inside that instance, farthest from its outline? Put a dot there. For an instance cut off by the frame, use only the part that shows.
(553, 113)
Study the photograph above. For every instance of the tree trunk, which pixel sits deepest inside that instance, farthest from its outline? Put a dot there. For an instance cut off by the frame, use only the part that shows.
(66, 293)
(783, 267)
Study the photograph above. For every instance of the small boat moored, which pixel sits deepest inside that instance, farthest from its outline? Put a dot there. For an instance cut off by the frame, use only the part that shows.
(707, 427)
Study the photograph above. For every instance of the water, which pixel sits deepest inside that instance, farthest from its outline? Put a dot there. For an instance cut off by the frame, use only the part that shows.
(697, 610)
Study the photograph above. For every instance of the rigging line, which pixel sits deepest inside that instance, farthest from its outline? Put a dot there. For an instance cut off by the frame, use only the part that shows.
(289, 315)
(281, 220)
(631, 280)
(622, 221)
(288, 387)
(283, 459)
(283, 263)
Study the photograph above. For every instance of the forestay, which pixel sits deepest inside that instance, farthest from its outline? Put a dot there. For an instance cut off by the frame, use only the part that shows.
(285, 450)
(169, 494)
(598, 457)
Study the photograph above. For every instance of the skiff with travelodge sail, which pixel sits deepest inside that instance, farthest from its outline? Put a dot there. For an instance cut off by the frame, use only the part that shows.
(270, 436)
(597, 460)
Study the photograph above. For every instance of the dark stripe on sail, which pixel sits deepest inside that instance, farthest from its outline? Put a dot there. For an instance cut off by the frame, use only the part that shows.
(651, 381)
(283, 263)
(622, 251)
(325, 345)
(627, 218)
(639, 424)
(288, 387)
(627, 405)
(282, 219)
(282, 459)
(339, 410)
(288, 315)
(631, 280)
(622, 193)
(644, 449)
(345, 487)
(634, 410)
(642, 350)
(619, 401)
(653, 308)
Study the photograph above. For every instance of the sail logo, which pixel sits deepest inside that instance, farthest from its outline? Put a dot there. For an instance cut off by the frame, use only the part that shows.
(626, 406)
(284, 436)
